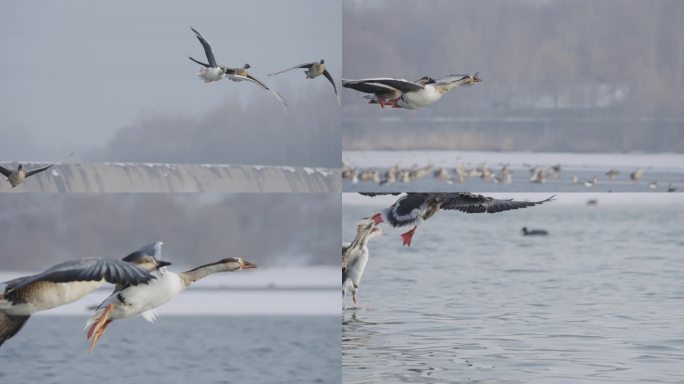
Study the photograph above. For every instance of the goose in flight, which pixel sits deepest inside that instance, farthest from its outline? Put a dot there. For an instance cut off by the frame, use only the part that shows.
(313, 70)
(355, 257)
(380, 93)
(143, 299)
(70, 281)
(414, 208)
(17, 177)
(401, 93)
(214, 72)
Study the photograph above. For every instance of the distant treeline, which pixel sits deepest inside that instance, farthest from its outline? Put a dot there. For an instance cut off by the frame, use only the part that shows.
(40, 230)
(517, 135)
(555, 59)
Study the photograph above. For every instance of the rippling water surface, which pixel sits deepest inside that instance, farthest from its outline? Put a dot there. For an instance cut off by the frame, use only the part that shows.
(599, 300)
(177, 349)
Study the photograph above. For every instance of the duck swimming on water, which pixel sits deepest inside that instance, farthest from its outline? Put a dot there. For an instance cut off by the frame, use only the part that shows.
(534, 232)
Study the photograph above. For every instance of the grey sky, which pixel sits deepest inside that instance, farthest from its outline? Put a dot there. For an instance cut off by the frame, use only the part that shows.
(75, 72)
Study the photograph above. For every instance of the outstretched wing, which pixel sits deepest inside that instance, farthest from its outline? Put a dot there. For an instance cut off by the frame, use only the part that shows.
(207, 48)
(92, 269)
(330, 79)
(10, 325)
(5, 171)
(307, 66)
(400, 84)
(473, 203)
(262, 85)
(364, 87)
(38, 170)
(199, 62)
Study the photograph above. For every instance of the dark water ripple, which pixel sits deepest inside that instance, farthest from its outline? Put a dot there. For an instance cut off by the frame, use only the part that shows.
(180, 349)
(599, 300)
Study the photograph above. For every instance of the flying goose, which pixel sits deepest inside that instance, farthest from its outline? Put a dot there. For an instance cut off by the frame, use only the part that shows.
(355, 257)
(381, 94)
(143, 299)
(414, 208)
(214, 72)
(411, 94)
(17, 177)
(68, 282)
(313, 70)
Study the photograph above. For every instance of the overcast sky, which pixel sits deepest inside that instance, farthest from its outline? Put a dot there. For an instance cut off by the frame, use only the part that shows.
(75, 72)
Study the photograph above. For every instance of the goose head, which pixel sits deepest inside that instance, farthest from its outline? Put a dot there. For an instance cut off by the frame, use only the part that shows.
(235, 263)
(375, 232)
(322, 61)
(148, 257)
(20, 167)
(472, 79)
(246, 66)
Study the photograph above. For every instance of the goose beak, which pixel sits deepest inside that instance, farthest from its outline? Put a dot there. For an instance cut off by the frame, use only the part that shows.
(248, 265)
(161, 263)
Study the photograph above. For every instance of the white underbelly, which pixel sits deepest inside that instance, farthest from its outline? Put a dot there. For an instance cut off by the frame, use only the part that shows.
(211, 74)
(144, 297)
(355, 270)
(16, 178)
(50, 295)
(311, 74)
(419, 99)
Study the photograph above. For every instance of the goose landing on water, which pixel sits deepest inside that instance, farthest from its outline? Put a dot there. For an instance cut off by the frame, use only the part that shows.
(214, 72)
(414, 208)
(312, 71)
(143, 299)
(68, 282)
(355, 257)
